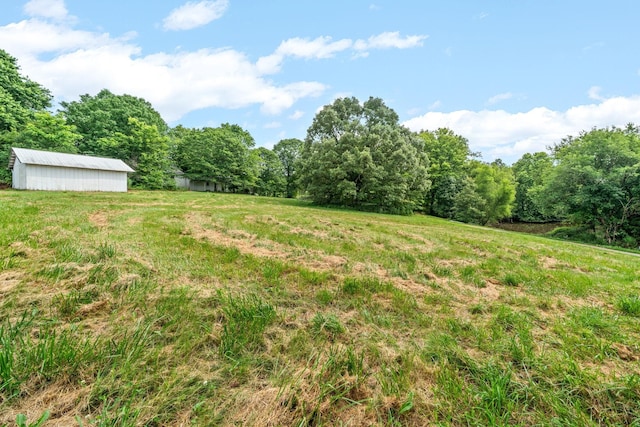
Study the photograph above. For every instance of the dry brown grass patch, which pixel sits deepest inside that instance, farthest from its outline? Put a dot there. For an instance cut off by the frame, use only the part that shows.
(99, 219)
(62, 399)
(9, 280)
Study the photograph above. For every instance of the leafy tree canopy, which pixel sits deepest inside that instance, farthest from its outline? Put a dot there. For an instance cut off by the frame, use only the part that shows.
(146, 150)
(105, 115)
(221, 155)
(358, 155)
(530, 172)
(289, 151)
(271, 179)
(487, 195)
(19, 96)
(449, 155)
(596, 181)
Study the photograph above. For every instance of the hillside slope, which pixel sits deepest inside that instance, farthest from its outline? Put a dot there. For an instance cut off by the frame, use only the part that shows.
(176, 308)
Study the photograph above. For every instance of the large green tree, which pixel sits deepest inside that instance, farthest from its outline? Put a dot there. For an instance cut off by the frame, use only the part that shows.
(105, 115)
(530, 172)
(271, 180)
(288, 151)
(487, 195)
(221, 155)
(449, 156)
(20, 97)
(146, 150)
(596, 181)
(358, 155)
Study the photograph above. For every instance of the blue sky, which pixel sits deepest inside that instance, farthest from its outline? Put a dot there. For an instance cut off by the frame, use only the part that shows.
(510, 76)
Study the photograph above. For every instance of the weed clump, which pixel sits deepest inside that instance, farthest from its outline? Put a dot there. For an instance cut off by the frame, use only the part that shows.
(630, 305)
(328, 324)
(246, 318)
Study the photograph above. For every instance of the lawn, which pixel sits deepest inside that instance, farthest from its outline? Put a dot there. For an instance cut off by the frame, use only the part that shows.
(184, 308)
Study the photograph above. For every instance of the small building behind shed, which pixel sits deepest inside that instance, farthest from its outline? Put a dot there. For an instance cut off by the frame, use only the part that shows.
(45, 170)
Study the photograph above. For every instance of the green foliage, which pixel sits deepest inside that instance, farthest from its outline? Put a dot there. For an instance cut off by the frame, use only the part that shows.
(42, 131)
(530, 172)
(104, 116)
(217, 155)
(19, 96)
(487, 195)
(271, 179)
(289, 151)
(449, 155)
(596, 182)
(359, 156)
(468, 204)
(23, 122)
(147, 152)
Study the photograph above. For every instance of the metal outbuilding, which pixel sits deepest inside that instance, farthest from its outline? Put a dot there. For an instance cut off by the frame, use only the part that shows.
(45, 170)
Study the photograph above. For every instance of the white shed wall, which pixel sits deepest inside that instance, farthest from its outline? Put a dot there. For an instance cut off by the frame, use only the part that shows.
(19, 175)
(182, 182)
(54, 178)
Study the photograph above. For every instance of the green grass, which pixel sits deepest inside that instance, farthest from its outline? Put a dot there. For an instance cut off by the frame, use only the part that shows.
(179, 308)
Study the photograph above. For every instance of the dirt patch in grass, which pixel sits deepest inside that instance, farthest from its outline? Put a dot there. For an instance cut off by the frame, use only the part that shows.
(99, 219)
(247, 244)
(626, 353)
(492, 290)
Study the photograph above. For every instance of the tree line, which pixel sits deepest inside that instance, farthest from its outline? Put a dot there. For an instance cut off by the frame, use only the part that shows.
(355, 154)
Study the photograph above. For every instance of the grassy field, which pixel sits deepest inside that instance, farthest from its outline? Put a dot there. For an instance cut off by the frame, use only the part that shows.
(178, 308)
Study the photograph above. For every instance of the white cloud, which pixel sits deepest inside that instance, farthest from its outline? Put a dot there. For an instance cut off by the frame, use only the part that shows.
(296, 115)
(324, 47)
(594, 93)
(389, 40)
(319, 48)
(497, 133)
(436, 104)
(33, 37)
(51, 9)
(194, 14)
(71, 62)
(481, 16)
(499, 98)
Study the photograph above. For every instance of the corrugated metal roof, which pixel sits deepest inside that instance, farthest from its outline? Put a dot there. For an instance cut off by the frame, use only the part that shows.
(48, 158)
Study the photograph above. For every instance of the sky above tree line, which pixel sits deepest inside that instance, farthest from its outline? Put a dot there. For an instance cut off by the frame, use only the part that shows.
(511, 77)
